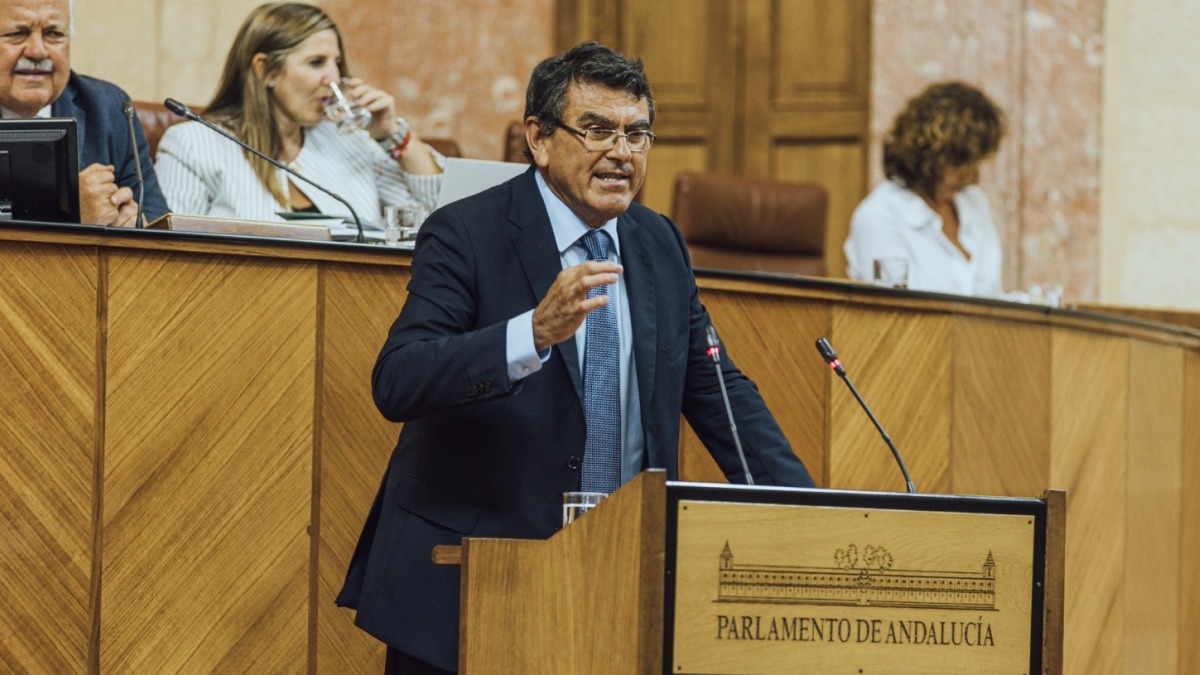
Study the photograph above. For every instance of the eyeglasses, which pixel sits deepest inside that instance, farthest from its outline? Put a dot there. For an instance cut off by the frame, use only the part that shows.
(600, 139)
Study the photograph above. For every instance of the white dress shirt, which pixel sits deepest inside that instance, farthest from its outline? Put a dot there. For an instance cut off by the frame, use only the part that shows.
(523, 360)
(895, 222)
(202, 173)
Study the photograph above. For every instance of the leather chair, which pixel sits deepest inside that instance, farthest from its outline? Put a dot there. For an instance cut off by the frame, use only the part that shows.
(751, 224)
(155, 119)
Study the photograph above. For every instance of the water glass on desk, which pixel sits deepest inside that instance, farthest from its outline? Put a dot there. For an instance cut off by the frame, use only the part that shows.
(890, 272)
(400, 223)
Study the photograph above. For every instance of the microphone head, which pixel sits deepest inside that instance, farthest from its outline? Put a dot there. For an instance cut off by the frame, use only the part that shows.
(711, 334)
(127, 108)
(179, 108)
(714, 345)
(830, 356)
(826, 350)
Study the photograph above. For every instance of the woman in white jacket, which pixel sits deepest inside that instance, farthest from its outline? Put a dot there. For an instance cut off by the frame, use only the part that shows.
(273, 91)
(929, 210)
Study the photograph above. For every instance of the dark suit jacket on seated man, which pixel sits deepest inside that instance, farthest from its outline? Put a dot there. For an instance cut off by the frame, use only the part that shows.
(484, 363)
(35, 74)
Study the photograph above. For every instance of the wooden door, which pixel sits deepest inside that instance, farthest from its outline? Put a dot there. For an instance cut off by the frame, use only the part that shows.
(767, 88)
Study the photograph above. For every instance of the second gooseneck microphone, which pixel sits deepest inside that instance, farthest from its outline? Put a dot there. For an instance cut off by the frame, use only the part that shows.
(183, 111)
(714, 355)
(127, 108)
(835, 363)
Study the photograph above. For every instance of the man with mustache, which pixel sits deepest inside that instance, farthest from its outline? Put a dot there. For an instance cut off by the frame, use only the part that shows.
(36, 81)
(551, 338)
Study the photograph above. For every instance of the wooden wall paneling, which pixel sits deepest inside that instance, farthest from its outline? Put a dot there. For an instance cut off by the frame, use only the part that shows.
(771, 341)
(1090, 384)
(806, 102)
(1189, 520)
(48, 451)
(207, 472)
(690, 51)
(897, 360)
(1155, 495)
(580, 20)
(1001, 408)
(839, 166)
(360, 304)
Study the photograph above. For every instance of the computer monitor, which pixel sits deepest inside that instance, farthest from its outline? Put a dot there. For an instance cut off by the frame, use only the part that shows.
(39, 170)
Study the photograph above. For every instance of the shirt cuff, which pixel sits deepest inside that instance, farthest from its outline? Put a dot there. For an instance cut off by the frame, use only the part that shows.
(523, 356)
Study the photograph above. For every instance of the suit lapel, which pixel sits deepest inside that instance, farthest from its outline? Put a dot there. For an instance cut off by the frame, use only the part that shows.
(65, 106)
(533, 241)
(640, 288)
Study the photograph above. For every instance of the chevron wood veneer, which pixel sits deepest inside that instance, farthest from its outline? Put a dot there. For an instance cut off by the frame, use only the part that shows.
(1001, 408)
(1154, 484)
(1089, 424)
(1189, 519)
(47, 455)
(355, 446)
(207, 472)
(189, 445)
(899, 361)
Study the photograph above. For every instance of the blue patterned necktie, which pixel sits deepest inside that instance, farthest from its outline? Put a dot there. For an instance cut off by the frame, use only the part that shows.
(601, 383)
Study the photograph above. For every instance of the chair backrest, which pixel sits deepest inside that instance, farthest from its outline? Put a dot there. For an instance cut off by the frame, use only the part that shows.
(155, 119)
(752, 224)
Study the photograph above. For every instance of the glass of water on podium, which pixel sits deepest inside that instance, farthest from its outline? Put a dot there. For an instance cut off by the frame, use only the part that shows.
(575, 504)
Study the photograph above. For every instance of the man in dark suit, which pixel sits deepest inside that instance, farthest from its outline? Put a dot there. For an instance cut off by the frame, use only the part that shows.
(485, 364)
(36, 80)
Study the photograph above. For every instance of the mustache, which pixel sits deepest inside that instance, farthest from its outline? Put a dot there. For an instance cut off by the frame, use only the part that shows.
(30, 66)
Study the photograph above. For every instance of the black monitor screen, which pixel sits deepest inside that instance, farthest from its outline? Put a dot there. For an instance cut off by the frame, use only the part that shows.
(39, 170)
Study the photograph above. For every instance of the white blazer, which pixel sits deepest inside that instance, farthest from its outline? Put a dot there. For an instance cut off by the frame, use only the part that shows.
(202, 173)
(895, 222)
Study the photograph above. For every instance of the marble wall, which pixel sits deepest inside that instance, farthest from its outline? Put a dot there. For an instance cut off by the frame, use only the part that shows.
(1040, 60)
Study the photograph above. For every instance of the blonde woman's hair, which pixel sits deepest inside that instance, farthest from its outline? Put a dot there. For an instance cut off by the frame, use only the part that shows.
(243, 103)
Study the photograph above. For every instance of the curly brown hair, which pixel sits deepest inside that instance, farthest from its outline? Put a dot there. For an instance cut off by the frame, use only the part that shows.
(950, 124)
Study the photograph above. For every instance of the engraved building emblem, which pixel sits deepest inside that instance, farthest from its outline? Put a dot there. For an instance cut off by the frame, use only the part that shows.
(866, 580)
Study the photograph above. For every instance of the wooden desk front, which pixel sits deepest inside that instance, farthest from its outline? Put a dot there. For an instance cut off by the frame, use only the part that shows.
(189, 444)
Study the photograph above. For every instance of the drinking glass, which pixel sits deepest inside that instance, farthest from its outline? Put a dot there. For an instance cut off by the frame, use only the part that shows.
(576, 504)
(890, 272)
(347, 117)
(400, 223)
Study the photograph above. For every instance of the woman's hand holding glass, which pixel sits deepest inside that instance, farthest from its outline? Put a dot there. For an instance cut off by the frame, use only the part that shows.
(383, 123)
(377, 102)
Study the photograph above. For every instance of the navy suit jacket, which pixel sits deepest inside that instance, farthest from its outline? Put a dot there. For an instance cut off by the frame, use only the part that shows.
(478, 457)
(96, 106)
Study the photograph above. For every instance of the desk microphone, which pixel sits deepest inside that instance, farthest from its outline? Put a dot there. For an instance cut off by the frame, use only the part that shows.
(714, 354)
(183, 111)
(835, 363)
(127, 107)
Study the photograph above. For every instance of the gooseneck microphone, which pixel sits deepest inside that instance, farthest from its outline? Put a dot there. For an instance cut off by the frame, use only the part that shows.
(127, 108)
(835, 363)
(183, 111)
(714, 355)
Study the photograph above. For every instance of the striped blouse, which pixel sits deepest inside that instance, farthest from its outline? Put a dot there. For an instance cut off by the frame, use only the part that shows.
(204, 174)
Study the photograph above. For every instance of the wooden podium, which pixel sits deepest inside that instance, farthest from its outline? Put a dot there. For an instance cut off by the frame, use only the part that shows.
(680, 578)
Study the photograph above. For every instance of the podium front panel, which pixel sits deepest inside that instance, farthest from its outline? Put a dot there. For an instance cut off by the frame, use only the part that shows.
(765, 582)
